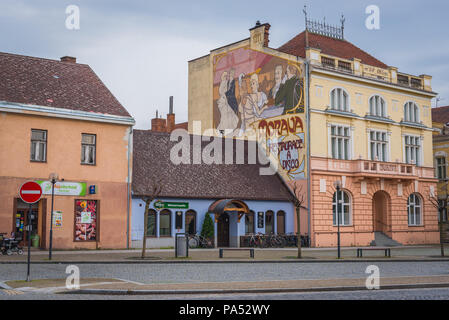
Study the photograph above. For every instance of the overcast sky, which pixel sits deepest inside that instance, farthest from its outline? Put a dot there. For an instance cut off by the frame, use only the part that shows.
(140, 48)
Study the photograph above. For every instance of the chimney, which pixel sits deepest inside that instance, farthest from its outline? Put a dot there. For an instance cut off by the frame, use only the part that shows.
(68, 59)
(266, 35)
(158, 124)
(170, 116)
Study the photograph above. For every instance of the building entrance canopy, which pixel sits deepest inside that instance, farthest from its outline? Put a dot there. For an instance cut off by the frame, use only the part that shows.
(228, 206)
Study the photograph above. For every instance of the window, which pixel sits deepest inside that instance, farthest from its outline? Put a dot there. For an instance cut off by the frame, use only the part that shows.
(441, 168)
(269, 222)
(411, 112)
(442, 204)
(379, 146)
(190, 222)
(151, 223)
(412, 150)
(414, 210)
(280, 221)
(38, 145)
(340, 142)
(339, 100)
(377, 107)
(249, 222)
(88, 146)
(344, 208)
(86, 220)
(165, 223)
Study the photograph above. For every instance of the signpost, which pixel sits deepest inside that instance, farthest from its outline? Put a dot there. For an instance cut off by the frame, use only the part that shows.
(30, 192)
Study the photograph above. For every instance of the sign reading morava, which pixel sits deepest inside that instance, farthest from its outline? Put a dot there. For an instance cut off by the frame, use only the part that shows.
(30, 192)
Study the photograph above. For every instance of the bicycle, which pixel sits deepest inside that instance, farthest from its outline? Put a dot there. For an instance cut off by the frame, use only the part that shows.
(256, 240)
(198, 241)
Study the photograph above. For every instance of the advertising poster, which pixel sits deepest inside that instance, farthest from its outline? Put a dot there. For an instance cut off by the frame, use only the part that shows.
(57, 219)
(85, 220)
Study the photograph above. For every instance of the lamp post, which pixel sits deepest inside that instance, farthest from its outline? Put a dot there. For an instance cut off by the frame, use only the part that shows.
(53, 179)
(337, 185)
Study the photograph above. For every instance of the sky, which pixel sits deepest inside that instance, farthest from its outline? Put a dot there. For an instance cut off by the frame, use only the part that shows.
(140, 49)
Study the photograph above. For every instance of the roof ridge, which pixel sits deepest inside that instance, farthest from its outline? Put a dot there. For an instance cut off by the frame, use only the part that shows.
(39, 58)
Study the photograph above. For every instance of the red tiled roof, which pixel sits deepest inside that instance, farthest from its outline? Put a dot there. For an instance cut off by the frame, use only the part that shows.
(440, 114)
(52, 83)
(329, 46)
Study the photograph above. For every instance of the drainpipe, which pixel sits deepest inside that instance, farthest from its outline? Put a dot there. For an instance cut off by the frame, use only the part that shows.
(128, 187)
(309, 205)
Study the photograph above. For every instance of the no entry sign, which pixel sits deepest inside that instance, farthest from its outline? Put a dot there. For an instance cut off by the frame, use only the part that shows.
(30, 192)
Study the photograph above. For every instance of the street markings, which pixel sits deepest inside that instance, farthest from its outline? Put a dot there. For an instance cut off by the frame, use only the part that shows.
(12, 292)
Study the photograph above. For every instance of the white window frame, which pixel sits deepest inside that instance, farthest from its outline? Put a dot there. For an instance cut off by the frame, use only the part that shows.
(88, 149)
(346, 148)
(341, 209)
(341, 94)
(411, 112)
(411, 209)
(418, 157)
(375, 103)
(379, 142)
(39, 146)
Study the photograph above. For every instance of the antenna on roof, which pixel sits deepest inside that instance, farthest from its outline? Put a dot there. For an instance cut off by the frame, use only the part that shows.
(342, 20)
(305, 15)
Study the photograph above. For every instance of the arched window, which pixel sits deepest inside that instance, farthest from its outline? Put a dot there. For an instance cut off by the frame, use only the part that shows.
(165, 223)
(269, 222)
(411, 112)
(280, 222)
(414, 210)
(190, 222)
(151, 223)
(339, 100)
(377, 106)
(249, 222)
(343, 209)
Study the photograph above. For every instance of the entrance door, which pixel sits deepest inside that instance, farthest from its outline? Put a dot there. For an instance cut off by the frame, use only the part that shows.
(381, 212)
(21, 220)
(223, 230)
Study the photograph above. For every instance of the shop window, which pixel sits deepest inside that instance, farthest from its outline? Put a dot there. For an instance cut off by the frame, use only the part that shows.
(343, 210)
(269, 222)
(38, 145)
(280, 222)
(151, 223)
(414, 210)
(249, 222)
(165, 223)
(88, 148)
(86, 220)
(190, 222)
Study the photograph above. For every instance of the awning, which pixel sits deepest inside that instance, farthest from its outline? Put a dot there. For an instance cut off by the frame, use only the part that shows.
(228, 206)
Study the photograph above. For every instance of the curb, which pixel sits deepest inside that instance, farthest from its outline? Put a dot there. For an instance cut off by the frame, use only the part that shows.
(234, 291)
(363, 260)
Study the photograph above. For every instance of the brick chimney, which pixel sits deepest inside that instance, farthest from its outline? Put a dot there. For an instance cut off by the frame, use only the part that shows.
(170, 116)
(266, 35)
(68, 59)
(158, 124)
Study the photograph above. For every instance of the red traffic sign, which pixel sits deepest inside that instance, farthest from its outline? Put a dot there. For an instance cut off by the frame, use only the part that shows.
(30, 192)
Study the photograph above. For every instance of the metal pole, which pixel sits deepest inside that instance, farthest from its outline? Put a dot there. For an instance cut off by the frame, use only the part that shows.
(51, 217)
(29, 243)
(309, 182)
(338, 224)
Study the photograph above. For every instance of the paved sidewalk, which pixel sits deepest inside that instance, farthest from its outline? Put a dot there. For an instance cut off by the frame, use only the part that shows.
(422, 253)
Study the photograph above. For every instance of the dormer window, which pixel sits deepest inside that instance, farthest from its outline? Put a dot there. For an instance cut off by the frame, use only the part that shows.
(411, 112)
(339, 100)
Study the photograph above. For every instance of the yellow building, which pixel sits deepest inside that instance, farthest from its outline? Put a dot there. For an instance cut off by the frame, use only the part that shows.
(370, 129)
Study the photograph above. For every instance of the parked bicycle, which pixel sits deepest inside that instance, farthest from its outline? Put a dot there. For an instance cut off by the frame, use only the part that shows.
(198, 241)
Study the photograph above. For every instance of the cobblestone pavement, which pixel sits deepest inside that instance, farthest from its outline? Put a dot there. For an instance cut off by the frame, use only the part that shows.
(204, 272)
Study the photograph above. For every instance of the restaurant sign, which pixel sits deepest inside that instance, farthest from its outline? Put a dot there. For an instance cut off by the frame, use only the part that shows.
(171, 205)
(63, 188)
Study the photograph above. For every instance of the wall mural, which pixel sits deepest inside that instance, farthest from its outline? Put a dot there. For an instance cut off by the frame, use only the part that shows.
(257, 91)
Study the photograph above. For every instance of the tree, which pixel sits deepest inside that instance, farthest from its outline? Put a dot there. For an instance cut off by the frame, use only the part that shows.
(155, 192)
(298, 200)
(440, 201)
(207, 230)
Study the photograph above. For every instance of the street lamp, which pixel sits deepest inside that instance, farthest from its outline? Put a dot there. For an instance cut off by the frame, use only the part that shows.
(337, 185)
(53, 179)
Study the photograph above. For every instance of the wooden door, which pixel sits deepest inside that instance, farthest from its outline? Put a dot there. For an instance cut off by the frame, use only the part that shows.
(223, 230)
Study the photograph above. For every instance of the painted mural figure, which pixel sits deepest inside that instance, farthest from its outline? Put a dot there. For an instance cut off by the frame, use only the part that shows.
(252, 104)
(277, 81)
(230, 93)
(290, 92)
(228, 118)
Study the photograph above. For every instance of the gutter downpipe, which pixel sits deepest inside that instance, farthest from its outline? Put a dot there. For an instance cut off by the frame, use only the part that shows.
(309, 205)
(128, 186)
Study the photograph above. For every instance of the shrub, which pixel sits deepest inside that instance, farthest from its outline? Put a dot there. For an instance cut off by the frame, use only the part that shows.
(207, 230)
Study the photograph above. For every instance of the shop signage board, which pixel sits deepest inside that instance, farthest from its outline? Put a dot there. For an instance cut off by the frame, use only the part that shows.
(30, 192)
(63, 188)
(170, 205)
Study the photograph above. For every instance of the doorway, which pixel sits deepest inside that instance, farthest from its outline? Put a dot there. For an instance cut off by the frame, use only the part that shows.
(381, 212)
(223, 230)
(20, 221)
